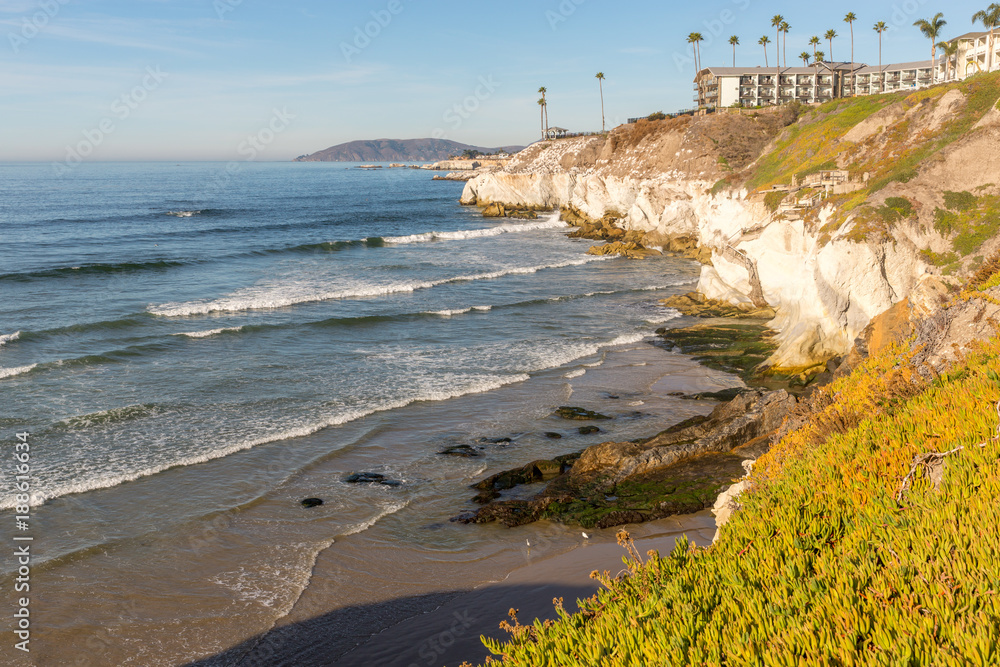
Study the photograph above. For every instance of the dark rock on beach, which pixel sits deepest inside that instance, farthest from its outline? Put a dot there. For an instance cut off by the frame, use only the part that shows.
(311, 502)
(579, 414)
(588, 430)
(371, 478)
(552, 435)
(462, 451)
(536, 471)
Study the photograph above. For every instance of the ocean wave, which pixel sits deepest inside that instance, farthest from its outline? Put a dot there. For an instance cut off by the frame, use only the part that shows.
(580, 372)
(460, 311)
(553, 222)
(94, 269)
(662, 318)
(326, 246)
(104, 325)
(39, 497)
(9, 338)
(183, 213)
(112, 416)
(14, 372)
(365, 525)
(209, 334)
(283, 297)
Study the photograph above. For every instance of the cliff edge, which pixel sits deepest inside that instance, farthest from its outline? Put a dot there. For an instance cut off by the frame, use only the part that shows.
(830, 214)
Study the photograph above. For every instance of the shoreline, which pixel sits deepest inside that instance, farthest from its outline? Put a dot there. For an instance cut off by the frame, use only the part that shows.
(445, 625)
(327, 625)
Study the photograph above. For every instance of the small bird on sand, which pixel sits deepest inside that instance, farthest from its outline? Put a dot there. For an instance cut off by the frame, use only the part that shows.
(528, 542)
(585, 536)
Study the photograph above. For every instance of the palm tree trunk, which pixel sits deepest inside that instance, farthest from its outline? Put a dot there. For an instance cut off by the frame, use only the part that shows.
(601, 84)
(734, 55)
(854, 75)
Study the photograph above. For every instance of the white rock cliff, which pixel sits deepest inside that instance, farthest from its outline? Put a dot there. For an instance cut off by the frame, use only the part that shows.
(824, 293)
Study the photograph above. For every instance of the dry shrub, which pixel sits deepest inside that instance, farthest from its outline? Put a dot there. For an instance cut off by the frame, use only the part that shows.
(741, 138)
(630, 136)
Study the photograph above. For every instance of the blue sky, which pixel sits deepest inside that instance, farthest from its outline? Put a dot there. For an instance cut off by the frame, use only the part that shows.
(196, 79)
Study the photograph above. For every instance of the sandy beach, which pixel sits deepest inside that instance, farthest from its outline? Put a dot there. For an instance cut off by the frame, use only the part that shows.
(449, 633)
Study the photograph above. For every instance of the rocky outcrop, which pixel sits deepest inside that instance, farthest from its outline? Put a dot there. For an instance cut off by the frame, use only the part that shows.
(680, 470)
(735, 424)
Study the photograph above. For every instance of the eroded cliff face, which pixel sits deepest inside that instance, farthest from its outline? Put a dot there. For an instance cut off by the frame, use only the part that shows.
(824, 281)
(824, 295)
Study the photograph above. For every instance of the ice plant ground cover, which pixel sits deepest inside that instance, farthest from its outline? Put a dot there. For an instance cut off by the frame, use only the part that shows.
(832, 558)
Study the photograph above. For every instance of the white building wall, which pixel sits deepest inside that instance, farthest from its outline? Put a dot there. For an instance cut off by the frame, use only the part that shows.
(729, 91)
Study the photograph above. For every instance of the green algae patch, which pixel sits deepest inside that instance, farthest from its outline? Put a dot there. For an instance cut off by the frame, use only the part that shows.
(683, 488)
(740, 347)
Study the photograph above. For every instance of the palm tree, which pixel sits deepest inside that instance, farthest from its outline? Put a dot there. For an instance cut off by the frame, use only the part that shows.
(880, 27)
(784, 41)
(814, 42)
(545, 108)
(735, 41)
(990, 18)
(850, 19)
(600, 82)
(776, 22)
(696, 38)
(831, 35)
(949, 49)
(805, 58)
(764, 41)
(541, 112)
(931, 30)
(820, 57)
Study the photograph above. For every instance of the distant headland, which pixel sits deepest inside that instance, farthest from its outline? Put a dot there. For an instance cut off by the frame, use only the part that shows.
(400, 150)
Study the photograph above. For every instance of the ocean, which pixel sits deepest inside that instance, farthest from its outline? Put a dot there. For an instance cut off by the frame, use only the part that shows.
(194, 348)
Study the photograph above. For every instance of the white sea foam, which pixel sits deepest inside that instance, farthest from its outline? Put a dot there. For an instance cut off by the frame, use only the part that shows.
(20, 370)
(282, 296)
(9, 338)
(365, 525)
(208, 334)
(463, 311)
(183, 214)
(280, 583)
(552, 222)
(84, 485)
(580, 372)
(661, 318)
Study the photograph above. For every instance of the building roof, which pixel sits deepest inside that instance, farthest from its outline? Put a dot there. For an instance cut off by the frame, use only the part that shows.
(749, 71)
(919, 64)
(969, 35)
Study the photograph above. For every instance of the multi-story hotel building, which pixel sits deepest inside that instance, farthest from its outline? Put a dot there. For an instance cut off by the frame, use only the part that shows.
(822, 82)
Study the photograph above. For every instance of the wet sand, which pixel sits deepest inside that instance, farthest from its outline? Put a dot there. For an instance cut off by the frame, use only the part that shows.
(449, 633)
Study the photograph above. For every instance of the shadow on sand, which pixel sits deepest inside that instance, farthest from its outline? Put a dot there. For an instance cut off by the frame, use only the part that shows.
(426, 630)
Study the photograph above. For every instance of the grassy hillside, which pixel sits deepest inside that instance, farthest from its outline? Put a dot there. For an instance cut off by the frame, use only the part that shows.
(815, 142)
(843, 552)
